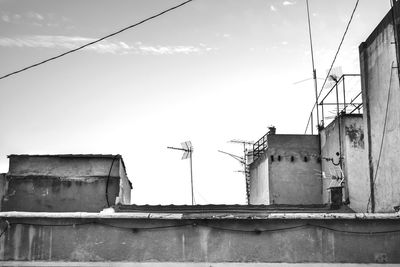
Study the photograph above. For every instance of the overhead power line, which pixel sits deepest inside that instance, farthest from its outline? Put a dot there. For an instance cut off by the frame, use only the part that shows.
(335, 57)
(339, 47)
(96, 41)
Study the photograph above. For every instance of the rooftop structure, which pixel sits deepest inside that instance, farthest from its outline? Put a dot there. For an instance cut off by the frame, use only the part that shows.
(64, 183)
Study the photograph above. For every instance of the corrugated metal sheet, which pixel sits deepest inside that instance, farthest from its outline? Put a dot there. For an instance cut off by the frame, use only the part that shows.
(231, 209)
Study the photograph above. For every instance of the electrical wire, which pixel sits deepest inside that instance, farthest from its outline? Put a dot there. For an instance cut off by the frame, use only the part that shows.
(5, 228)
(335, 57)
(339, 47)
(108, 178)
(383, 135)
(96, 41)
(194, 225)
(355, 232)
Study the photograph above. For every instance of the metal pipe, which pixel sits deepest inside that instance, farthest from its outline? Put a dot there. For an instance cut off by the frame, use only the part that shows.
(312, 124)
(191, 175)
(344, 94)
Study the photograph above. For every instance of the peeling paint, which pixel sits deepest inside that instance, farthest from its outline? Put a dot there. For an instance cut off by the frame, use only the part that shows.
(356, 136)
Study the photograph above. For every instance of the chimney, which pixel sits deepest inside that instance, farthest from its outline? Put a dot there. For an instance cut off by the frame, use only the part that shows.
(272, 130)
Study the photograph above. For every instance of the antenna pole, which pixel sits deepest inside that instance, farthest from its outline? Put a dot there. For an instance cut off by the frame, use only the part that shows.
(191, 175)
(188, 152)
(312, 61)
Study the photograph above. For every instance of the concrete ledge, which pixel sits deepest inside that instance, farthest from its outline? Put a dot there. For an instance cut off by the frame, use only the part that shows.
(180, 264)
(131, 215)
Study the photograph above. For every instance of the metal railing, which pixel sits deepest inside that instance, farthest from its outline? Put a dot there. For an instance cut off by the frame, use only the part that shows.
(340, 99)
(260, 146)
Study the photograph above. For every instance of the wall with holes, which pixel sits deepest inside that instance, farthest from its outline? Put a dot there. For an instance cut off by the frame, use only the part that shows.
(294, 169)
(344, 155)
(287, 172)
(64, 183)
(381, 95)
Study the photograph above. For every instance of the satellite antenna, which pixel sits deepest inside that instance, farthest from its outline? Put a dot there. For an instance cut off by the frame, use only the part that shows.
(187, 149)
(334, 76)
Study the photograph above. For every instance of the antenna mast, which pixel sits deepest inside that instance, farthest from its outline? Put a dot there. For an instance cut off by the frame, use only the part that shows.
(242, 160)
(313, 64)
(188, 152)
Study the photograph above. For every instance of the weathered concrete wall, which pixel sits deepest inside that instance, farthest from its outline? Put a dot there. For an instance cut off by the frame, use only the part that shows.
(287, 173)
(65, 183)
(355, 163)
(200, 241)
(125, 187)
(259, 185)
(293, 172)
(350, 145)
(45, 193)
(63, 166)
(377, 54)
(3, 188)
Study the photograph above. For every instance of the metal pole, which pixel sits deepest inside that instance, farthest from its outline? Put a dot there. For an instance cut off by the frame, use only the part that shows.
(312, 61)
(337, 99)
(191, 175)
(344, 95)
(312, 124)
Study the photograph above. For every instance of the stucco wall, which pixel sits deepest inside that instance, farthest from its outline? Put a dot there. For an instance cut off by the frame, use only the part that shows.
(63, 166)
(200, 241)
(259, 185)
(45, 193)
(3, 188)
(356, 162)
(288, 171)
(65, 183)
(354, 159)
(294, 180)
(377, 54)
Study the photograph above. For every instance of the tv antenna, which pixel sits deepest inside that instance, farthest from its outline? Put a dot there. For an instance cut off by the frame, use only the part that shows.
(242, 160)
(187, 149)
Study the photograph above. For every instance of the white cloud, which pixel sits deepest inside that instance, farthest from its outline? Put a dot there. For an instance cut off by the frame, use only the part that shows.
(5, 18)
(33, 18)
(285, 43)
(121, 48)
(289, 3)
(273, 8)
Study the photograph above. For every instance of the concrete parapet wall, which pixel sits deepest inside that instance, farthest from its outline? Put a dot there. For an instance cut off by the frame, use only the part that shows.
(171, 240)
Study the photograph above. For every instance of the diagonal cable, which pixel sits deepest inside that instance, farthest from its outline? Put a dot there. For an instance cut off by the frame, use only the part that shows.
(95, 41)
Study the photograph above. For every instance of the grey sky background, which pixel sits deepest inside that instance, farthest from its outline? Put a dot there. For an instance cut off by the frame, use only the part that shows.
(208, 72)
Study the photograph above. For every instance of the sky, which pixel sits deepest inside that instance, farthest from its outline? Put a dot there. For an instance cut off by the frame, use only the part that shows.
(209, 72)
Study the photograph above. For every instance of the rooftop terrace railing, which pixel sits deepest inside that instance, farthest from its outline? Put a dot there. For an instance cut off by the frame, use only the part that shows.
(260, 146)
(343, 97)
